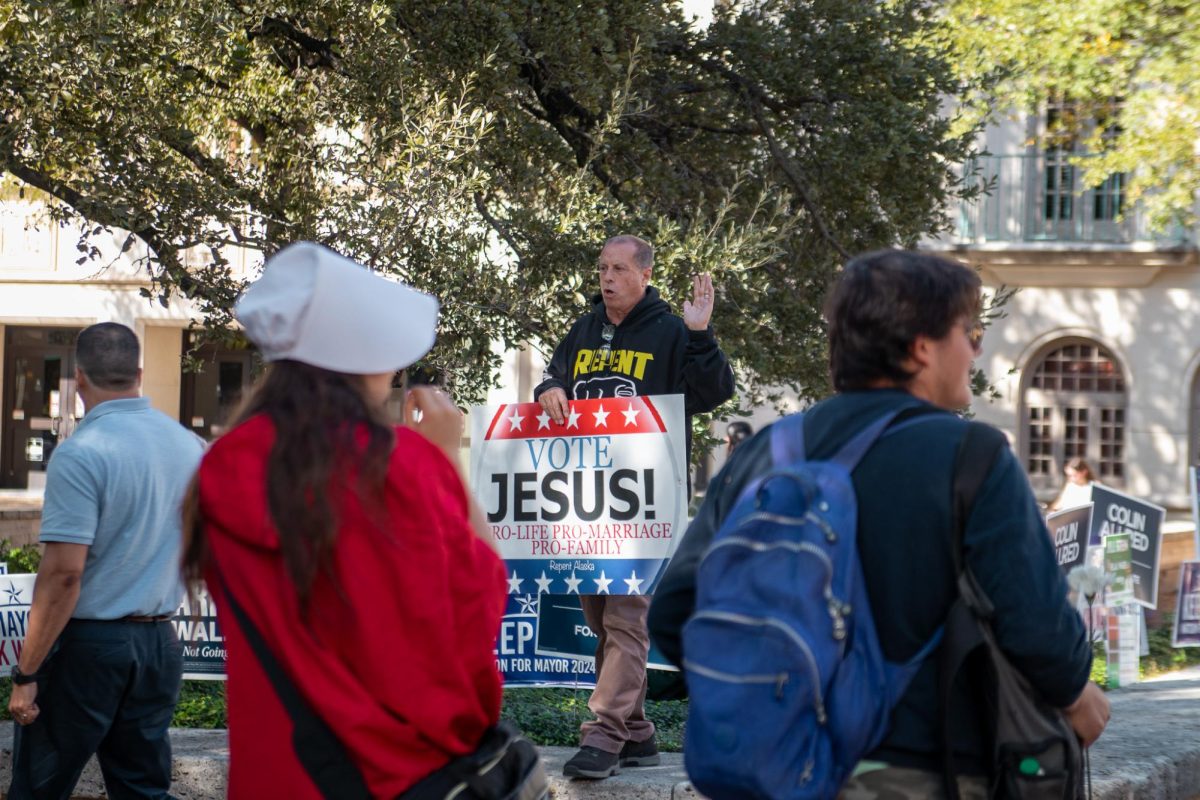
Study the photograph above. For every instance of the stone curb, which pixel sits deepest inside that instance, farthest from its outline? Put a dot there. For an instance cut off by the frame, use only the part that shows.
(1150, 751)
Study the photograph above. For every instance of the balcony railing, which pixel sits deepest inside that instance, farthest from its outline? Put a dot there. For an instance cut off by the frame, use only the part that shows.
(1042, 198)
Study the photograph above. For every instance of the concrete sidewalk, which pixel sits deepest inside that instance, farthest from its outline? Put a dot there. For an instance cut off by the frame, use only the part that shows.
(1150, 750)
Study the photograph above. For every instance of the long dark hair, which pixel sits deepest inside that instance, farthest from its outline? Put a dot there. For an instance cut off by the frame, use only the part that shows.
(319, 418)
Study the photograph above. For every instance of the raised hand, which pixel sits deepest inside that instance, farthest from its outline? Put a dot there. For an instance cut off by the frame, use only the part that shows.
(698, 312)
(438, 420)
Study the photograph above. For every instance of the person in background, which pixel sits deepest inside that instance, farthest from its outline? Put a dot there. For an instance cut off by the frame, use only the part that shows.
(1077, 490)
(353, 548)
(101, 667)
(736, 432)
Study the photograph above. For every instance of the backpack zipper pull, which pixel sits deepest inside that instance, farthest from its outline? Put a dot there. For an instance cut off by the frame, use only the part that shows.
(839, 622)
(779, 683)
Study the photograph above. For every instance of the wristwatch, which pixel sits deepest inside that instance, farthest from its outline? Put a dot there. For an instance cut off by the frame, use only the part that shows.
(21, 679)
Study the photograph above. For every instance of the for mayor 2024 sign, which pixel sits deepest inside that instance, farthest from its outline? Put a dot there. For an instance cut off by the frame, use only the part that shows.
(594, 505)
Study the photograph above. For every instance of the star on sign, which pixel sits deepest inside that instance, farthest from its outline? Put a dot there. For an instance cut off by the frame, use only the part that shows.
(528, 604)
(543, 583)
(634, 583)
(14, 594)
(514, 584)
(601, 417)
(602, 583)
(630, 415)
(573, 419)
(514, 422)
(573, 583)
(543, 421)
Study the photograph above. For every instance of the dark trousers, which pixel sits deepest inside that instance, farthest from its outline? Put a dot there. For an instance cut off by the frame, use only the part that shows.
(110, 689)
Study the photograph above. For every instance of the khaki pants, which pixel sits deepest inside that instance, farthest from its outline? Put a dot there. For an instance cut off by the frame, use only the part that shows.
(901, 783)
(620, 696)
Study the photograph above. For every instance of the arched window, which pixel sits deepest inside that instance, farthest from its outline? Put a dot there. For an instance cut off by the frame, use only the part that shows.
(1074, 407)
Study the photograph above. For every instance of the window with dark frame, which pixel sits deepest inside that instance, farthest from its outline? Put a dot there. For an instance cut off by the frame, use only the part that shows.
(1064, 129)
(1075, 408)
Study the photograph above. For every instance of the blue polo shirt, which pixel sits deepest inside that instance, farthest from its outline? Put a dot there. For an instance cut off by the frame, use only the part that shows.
(117, 485)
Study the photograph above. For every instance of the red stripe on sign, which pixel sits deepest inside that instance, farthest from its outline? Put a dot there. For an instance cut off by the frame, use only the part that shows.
(495, 419)
(654, 412)
(600, 416)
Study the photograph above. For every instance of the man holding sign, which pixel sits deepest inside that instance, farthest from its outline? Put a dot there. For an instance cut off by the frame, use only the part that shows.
(628, 345)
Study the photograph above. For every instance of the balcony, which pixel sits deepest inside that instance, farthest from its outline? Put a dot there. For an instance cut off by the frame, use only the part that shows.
(1040, 200)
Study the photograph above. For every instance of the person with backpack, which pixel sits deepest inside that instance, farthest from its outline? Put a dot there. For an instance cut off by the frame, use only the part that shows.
(814, 662)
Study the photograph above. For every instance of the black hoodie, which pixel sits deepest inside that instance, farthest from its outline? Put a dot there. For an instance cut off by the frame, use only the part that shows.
(651, 352)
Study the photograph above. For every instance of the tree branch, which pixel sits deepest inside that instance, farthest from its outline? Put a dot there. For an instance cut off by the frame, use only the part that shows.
(496, 225)
(795, 178)
(739, 81)
(319, 53)
(182, 142)
(95, 211)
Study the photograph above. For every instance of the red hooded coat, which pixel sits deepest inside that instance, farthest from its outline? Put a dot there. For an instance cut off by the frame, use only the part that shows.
(396, 652)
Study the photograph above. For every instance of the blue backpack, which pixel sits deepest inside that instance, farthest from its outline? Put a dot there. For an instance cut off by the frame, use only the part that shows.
(789, 687)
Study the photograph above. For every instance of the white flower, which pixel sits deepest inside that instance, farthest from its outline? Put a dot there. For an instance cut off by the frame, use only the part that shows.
(1087, 579)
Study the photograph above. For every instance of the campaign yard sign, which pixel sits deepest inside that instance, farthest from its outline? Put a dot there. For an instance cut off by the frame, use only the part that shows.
(16, 593)
(563, 630)
(518, 658)
(595, 505)
(203, 645)
(545, 641)
(1194, 486)
(1114, 512)
(1069, 529)
(1118, 564)
(1187, 609)
(200, 634)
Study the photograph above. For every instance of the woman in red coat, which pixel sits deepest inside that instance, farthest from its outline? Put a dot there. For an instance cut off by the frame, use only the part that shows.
(353, 547)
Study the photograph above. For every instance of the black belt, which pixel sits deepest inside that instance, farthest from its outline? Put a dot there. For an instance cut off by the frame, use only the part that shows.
(143, 618)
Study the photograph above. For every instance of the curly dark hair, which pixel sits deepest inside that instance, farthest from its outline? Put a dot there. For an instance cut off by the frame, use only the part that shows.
(882, 302)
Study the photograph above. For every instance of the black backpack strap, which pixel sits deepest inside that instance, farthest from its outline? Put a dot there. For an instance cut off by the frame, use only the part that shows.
(320, 752)
(977, 453)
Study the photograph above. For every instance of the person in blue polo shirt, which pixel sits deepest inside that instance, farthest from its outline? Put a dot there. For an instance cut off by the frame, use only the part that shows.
(101, 667)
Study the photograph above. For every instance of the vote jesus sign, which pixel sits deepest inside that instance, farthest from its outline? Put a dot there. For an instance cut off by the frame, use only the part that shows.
(593, 505)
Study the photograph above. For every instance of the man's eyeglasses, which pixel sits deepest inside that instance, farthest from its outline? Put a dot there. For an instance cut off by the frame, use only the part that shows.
(607, 333)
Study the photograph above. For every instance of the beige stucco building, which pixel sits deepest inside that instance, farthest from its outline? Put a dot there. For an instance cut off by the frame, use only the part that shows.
(1098, 354)
(47, 296)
